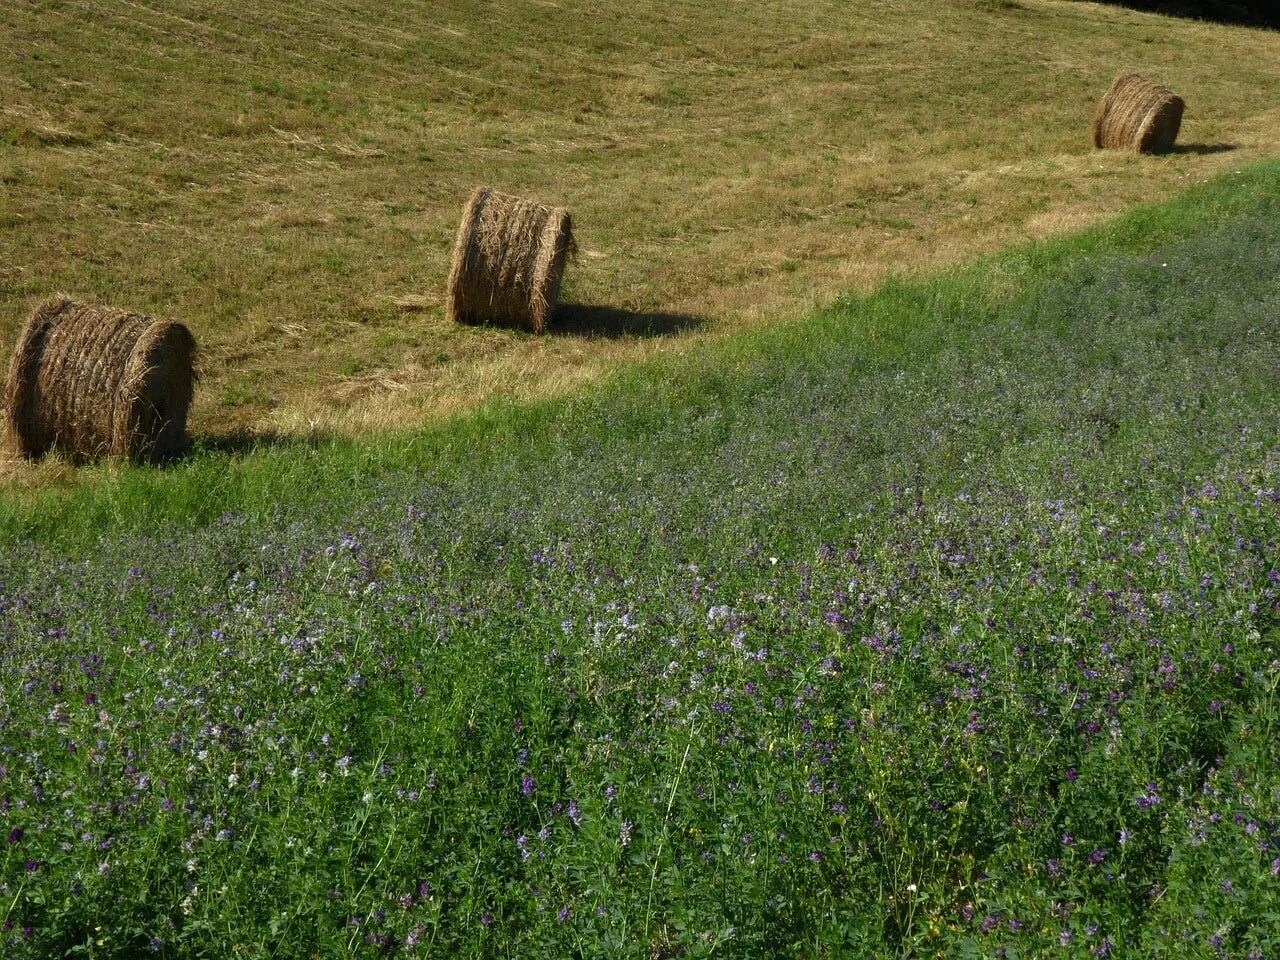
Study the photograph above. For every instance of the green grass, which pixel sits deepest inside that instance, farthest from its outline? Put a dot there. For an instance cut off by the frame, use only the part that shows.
(941, 623)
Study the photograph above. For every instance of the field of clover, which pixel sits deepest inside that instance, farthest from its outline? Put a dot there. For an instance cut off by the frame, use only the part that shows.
(962, 648)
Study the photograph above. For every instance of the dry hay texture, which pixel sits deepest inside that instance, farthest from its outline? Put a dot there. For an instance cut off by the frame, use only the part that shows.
(508, 261)
(88, 381)
(1138, 115)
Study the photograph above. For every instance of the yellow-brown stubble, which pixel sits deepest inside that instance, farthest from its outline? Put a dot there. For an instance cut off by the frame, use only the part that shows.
(286, 177)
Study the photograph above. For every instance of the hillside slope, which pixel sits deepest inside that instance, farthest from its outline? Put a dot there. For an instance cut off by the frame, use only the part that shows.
(286, 177)
(940, 624)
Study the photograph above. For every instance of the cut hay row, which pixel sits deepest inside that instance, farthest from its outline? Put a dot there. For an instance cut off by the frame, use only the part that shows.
(508, 261)
(88, 381)
(1137, 114)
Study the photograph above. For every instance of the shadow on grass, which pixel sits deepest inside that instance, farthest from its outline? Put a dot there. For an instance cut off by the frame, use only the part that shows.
(591, 320)
(1203, 149)
(242, 443)
(1250, 13)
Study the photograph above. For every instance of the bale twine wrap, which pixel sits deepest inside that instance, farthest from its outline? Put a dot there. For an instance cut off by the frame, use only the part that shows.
(508, 261)
(88, 381)
(1138, 115)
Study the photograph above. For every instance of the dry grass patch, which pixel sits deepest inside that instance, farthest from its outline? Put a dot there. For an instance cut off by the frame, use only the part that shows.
(287, 176)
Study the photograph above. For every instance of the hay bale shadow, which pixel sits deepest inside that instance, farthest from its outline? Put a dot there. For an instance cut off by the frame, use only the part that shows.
(244, 443)
(594, 320)
(1204, 149)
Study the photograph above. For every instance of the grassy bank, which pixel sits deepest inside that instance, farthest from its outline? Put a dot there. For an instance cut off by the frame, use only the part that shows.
(941, 623)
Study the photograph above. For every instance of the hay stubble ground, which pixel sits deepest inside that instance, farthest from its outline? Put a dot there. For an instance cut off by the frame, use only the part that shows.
(286, 178)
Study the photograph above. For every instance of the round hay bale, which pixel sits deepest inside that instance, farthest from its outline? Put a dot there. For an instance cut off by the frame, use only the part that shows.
(508, 261)
(1138, 115)
(88, 381)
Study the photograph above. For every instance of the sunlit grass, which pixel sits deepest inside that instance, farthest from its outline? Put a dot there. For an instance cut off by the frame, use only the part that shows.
(286, 177)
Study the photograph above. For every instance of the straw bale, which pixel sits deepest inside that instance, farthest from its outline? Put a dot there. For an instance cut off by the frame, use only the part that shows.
(508, 261)
(89, 381)
(1137, 115)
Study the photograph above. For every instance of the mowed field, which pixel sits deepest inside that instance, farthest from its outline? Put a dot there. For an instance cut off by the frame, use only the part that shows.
(286, 177)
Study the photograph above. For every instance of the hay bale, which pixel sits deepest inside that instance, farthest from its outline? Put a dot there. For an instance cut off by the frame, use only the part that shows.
(1138, 115)
(508, 261)
(88, 381)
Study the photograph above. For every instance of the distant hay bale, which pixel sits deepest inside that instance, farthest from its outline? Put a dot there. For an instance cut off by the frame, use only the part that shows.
(508, 261)
(88, 381)
(1138, 115)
